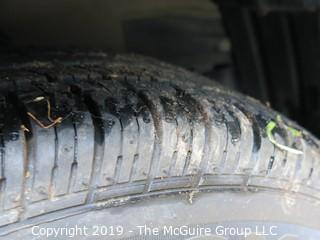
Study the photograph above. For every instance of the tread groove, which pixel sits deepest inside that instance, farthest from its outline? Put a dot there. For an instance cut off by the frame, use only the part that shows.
(136, 155)
(98, 144)
(74, 165)
(2, 170)
(117, 169)
(119, 162)
(55, 165)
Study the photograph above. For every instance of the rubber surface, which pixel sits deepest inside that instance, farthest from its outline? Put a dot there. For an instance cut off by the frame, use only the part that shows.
(133, 126)
(288, 219)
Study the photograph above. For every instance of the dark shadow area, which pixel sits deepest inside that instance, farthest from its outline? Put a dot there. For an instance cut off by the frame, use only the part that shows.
(269, 51)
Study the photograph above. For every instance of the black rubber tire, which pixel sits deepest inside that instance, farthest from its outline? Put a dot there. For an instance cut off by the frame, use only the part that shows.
(131, 127)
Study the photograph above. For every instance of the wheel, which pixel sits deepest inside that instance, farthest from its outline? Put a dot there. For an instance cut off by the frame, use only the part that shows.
(120, 141)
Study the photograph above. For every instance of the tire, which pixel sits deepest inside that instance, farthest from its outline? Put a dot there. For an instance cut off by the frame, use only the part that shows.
(123, 129)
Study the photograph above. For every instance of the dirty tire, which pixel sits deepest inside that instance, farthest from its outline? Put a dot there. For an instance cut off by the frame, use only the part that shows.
(132, 127)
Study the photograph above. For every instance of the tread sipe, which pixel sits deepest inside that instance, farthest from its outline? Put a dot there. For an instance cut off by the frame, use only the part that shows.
(83, 129)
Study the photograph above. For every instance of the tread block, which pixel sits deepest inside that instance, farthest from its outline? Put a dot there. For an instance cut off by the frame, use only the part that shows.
(112, 149)
(42, 156)
(84, 153)
(14, 158)
(64, 159)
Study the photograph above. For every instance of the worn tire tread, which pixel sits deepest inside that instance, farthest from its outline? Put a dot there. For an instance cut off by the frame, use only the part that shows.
(133, 125)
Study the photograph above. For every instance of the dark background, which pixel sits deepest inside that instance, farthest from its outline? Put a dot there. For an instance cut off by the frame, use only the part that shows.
(267, 49)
